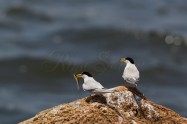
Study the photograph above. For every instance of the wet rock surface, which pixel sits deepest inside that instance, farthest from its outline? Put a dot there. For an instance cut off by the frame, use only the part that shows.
(111, 108)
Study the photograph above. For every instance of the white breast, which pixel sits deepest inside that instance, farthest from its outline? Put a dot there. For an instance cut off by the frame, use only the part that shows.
(131, 73)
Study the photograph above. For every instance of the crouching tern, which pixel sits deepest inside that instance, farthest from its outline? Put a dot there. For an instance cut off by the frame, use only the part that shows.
(131, 74)
(91, 85)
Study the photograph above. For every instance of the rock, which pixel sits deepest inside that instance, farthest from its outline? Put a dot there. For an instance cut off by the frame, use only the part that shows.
(111, 108)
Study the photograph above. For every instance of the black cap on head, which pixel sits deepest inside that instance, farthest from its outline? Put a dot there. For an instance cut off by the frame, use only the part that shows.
(87, 73)
(130, 59)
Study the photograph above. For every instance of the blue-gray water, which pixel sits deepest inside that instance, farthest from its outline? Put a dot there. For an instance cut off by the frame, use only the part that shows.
(43, 42)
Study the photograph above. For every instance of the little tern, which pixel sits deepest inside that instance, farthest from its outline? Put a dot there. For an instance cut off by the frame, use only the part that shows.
(91, 85)
(131, 74)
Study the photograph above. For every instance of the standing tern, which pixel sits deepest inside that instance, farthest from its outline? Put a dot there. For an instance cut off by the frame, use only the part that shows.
(91, 85)
(131, 74)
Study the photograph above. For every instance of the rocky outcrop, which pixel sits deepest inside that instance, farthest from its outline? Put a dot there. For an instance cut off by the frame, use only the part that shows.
(111, 108)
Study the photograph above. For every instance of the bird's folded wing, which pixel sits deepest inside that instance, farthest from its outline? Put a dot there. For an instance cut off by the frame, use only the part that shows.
(132, 80)
(103, 90)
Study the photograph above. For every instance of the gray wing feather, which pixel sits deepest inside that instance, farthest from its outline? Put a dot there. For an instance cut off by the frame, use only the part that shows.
(103, 90)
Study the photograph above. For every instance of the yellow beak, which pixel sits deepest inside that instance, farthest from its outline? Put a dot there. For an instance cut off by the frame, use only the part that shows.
(123, 60)
(78, 75)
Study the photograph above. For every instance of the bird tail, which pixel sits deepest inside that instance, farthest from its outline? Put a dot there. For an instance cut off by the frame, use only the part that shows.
(100, 91)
